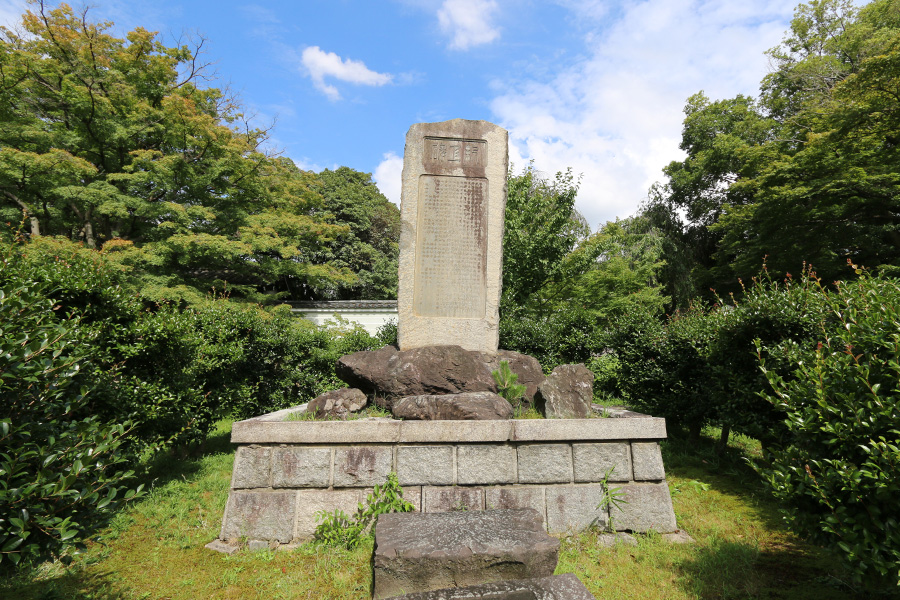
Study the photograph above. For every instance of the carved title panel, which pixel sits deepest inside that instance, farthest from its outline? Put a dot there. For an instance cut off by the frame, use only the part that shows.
(442, 154)
(451, 246)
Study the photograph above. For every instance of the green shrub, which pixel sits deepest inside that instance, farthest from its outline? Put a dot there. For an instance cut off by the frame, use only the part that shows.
(838, 476)
(557, 338)
(61, 467)
(661, 369)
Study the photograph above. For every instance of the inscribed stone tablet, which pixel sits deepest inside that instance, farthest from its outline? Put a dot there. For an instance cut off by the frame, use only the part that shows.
(453, 207)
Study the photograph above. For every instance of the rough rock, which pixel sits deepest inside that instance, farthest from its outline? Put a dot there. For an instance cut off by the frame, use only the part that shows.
(468, 406)
(555, 587)
(566, 393)
(338, 403)
(389, 374)
(421, 552)
(526, 367)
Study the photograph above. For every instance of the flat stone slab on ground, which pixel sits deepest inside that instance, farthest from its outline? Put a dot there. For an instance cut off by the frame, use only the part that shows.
(555, 587)
(421, 552)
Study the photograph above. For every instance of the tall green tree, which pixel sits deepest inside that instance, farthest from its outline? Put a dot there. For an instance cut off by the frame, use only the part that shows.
(371, 248)
(542, 227)
(115, 142)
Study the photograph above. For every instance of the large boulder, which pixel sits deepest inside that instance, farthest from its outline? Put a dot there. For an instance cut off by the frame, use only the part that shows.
(337, 404)
(468, 406)
(567, 393)
(388, 374)
(420, 552)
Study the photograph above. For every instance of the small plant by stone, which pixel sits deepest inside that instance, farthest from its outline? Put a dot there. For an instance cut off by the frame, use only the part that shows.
(508, 386)
(611, 497)
(338, 529)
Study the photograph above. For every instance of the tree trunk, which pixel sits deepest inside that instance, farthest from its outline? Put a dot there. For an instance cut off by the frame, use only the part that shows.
(32, 218)
(723, 439)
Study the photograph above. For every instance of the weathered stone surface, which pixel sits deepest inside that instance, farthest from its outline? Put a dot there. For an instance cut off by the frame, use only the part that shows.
(338, 404)
(259, 516)
(555, 587)
(468, 406)
(362, 466)
(566, 393)
(425, 465)
(389, 374)
(223, 547)
(545, 463)
(648, 463)
(574, 508)
(526, 367)
(519, 496)
(298, 467)
(251, 468)
(258, 545)
(310, 502)
(646, 507)
(594, 461)
(484, 464)
(420, 552)
(453, 201)
(452, 499)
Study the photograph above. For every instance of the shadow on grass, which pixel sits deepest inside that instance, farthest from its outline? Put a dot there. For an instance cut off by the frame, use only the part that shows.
(181, 463)
(738, 569)
(72, 584)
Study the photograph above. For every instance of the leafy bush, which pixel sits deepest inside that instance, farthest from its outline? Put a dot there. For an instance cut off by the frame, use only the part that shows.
(838, 477)
(61, 467)
(556, 338)
(661, 369)
(253, 361)
(700, 366)
(340, 530)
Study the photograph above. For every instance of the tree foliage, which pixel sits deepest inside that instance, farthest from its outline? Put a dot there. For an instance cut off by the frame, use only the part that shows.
(809, 170)
(115, 142)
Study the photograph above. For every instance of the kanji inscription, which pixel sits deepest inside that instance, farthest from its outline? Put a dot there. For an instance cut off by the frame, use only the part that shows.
(451, 247)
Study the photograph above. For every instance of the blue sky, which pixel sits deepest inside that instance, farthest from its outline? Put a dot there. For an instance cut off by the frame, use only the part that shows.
(596, 85)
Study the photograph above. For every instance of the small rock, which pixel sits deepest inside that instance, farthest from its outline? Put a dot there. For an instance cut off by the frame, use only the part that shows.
(223, 547)
(608, 540)
(468, 406)
(679, 537)
(338, 403)
(566, 393)
(257, 545)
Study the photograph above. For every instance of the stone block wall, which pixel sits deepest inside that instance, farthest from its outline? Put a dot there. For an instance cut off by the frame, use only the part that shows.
(285, 472)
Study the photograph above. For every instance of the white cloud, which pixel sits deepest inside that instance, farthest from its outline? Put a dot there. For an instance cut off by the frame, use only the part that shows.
(616, 115)
(468, 22)
(320, 64)
(389, 176)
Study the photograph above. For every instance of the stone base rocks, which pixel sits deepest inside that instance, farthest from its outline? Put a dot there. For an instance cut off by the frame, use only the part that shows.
(567, 393)
(416, 552)
(468, 406)
(388, 374)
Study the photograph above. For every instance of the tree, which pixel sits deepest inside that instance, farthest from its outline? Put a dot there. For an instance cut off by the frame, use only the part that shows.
(371, 248)
(807, 172)
(114, 142)
(542, 227)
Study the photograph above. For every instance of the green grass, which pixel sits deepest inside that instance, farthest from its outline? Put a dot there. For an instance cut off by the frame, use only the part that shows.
(154, 548)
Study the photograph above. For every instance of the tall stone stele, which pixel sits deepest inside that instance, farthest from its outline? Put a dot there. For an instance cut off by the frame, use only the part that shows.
(452, 209)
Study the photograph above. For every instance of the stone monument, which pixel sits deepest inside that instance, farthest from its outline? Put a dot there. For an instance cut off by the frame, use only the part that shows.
(452, 209)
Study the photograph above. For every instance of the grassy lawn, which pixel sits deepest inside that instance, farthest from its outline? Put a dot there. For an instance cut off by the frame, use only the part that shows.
(154, 549)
